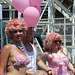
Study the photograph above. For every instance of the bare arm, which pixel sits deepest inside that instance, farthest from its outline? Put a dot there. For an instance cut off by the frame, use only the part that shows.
(34, 73)
(45, 57)
(42, 65)
(4, 58)
(30, 72)
(70, 66)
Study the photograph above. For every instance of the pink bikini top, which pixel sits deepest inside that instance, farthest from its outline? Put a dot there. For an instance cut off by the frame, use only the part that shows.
(21, 59)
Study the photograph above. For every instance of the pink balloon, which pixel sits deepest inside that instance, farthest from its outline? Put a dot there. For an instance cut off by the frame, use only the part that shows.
(35, 2)
(39, 9)
(20, 5)
(31, 16)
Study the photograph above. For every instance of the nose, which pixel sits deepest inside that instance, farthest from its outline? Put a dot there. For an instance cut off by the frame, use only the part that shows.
(18, 32)
(58, 42)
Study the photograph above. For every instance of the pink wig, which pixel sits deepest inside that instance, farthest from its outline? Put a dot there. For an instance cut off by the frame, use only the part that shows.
(12, 25)
(50, 39)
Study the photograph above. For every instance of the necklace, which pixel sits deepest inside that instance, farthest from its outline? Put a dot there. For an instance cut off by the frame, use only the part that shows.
(18, 45)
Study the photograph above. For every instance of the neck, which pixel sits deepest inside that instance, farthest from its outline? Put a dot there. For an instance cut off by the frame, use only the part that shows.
(54, 51)
(18, 44)
(25, 42)
(15, 42)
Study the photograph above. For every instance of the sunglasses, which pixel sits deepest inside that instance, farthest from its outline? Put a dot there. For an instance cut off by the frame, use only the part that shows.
(15, 31)
(58, 41)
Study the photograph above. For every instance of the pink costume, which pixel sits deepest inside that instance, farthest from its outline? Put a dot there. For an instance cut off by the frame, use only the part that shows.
(21, 59)
(59, 65)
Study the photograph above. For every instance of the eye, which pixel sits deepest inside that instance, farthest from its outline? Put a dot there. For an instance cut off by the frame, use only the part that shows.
(15, 31)
(20, 30)
(58, 41)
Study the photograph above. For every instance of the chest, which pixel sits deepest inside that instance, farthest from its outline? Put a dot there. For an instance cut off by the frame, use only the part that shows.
(14, 54)
(59, 54)
(55, 62)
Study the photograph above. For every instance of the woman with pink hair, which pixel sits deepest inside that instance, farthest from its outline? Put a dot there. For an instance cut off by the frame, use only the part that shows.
(56, 55)
(13, 58)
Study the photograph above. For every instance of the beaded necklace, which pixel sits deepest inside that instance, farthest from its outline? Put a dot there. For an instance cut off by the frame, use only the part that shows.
(17, 45)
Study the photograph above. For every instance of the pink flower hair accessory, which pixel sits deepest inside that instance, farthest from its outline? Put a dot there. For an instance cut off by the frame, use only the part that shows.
(51, 56)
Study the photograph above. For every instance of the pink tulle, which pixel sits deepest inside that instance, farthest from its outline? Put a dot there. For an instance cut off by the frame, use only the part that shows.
(21, 59)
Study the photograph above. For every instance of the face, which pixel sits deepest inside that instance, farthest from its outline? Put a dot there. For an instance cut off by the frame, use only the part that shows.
(17, 34)
(57, 44)
(28, 36)
(30, 33)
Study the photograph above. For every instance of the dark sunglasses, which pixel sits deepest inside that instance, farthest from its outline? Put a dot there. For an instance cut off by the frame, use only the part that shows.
(58, 41)
(15, 31)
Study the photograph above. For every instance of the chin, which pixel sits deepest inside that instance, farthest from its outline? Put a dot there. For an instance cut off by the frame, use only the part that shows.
(57, 47)
(18, 40)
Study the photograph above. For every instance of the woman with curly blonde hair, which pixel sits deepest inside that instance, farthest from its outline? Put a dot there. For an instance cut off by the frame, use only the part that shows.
(11, 26)
(56, 55)
(13, 58)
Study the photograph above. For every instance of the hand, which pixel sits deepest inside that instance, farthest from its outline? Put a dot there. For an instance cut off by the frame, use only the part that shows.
(73, 71)
(42, 74)
(51, 73)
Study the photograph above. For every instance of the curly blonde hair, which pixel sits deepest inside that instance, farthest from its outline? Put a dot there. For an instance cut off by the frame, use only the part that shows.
(50, 39)
(11, 26)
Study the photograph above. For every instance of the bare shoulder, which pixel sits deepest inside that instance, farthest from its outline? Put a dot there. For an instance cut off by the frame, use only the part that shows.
(45, 57)
(65, 51)
(45, 54)
(8, 47)
(35, 47)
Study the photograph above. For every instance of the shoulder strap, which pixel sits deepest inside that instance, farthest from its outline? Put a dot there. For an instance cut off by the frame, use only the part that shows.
(62, 51)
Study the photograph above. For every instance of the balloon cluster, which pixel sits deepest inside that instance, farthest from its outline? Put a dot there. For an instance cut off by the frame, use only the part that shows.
(31, 10)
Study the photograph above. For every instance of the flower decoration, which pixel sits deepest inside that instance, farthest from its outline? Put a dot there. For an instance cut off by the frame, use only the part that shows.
(51, 56)
(21, 59)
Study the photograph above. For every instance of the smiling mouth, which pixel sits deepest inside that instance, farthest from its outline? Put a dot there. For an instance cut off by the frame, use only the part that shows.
(58, 45)
(19, 37)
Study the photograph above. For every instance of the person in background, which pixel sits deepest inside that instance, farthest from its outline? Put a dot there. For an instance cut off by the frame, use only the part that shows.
(31, 50)
(13, 57)
(56, 55)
